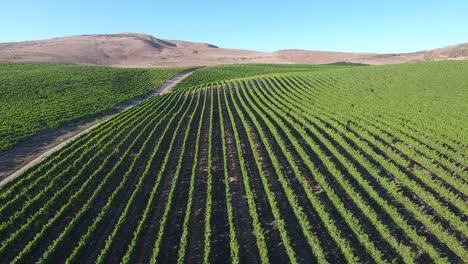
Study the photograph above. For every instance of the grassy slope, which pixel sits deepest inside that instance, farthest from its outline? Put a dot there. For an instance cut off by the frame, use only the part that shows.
(37, 97)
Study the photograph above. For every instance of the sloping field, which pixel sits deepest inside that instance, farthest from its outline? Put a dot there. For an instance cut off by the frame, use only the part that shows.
(35, 98)
(205, 76)
(367, 165)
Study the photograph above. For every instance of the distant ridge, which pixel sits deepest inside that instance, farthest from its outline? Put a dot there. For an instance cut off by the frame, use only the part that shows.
(140, 50)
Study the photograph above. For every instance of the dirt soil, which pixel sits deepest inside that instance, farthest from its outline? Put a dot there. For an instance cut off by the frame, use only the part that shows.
(141, 50)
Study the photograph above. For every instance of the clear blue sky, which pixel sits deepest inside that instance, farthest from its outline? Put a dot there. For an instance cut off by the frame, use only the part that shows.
(371, 25)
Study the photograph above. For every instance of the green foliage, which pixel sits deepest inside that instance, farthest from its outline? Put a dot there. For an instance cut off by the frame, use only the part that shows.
(36, 97)
(432, 95)
(362, 164)
(226, 72)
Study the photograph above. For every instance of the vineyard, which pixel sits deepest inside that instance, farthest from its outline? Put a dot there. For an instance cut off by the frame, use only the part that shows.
(353, 164)
(204, 76)
(35, 98)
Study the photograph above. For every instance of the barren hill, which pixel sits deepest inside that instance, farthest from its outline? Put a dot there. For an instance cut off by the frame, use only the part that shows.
(140, 50)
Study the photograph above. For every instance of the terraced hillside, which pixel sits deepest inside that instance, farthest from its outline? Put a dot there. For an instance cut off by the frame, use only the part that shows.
(367, 164)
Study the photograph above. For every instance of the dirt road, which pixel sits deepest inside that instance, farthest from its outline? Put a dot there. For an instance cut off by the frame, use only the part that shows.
(32, 151)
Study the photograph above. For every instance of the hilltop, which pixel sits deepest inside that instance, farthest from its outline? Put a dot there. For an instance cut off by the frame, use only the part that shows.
(141, 50)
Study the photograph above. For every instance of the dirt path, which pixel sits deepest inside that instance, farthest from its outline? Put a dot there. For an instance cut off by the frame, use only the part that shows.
(34, 150)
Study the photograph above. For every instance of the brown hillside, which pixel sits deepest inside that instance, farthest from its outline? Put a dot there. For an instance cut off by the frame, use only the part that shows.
(140, 50)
